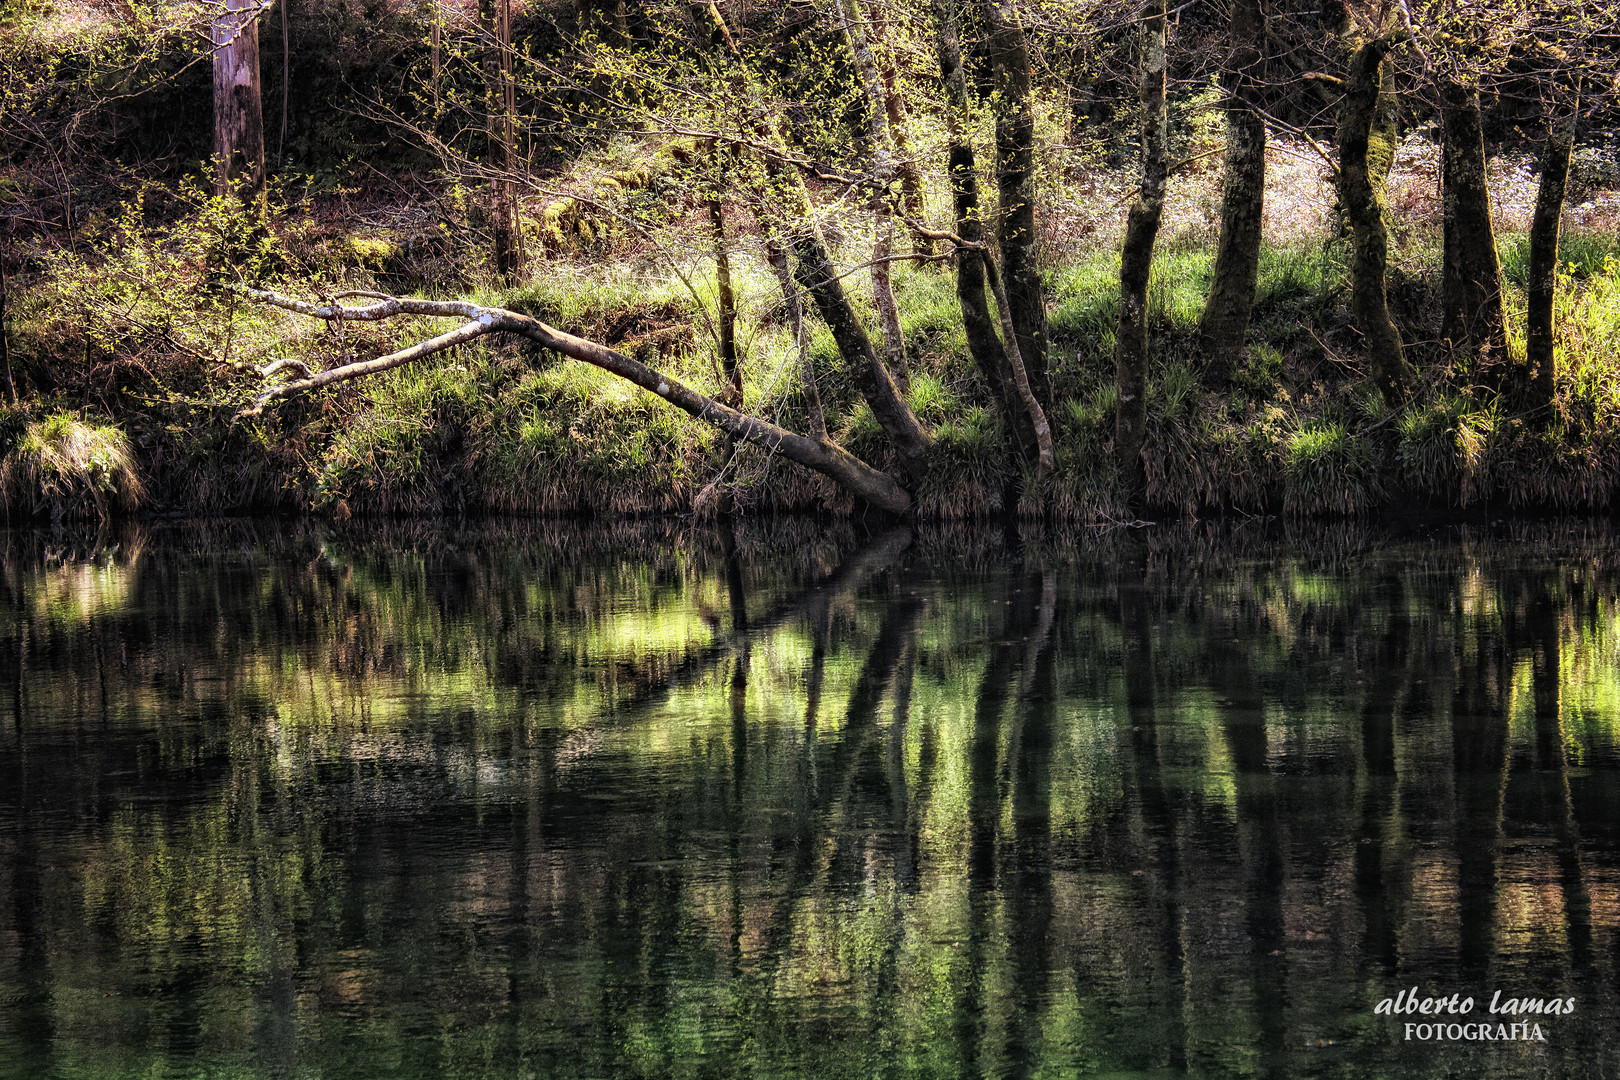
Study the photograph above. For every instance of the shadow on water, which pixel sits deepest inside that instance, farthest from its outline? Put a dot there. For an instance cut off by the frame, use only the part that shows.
(650, 799)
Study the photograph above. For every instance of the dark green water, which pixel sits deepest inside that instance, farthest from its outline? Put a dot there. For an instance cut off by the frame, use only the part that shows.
(532, 801)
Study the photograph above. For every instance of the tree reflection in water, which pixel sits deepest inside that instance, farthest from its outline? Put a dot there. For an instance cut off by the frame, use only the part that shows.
(648, 800)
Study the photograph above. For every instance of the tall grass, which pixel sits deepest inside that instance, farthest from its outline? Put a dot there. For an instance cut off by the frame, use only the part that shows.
(70, 468)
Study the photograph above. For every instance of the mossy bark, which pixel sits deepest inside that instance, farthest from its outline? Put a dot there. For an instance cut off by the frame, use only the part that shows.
(971, 262)
(1016, 235)
(238, 109)
(1472, 278)
(1136, 262)
(1544, 227)
(1230, 303)
(1366, 150)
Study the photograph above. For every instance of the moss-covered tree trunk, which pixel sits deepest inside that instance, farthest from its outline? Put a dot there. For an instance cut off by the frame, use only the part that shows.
(1015, 178)
(1366, 151)
(1472, 280)
(238, 108)
(1237, 258)
(1136, 261)
(1544, 229)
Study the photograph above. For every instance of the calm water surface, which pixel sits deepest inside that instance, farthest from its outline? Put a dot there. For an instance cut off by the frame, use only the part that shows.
(533, 801)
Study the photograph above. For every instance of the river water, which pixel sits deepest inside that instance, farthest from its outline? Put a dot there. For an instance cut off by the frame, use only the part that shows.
(537, 800)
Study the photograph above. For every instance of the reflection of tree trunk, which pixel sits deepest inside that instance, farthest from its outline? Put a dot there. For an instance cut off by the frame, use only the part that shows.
(1029, 879)
(736, 592)
(1479, 750)
(1379, 887)
(1544, 618)
(1260, 828)
(1158, 813)
(984, 814)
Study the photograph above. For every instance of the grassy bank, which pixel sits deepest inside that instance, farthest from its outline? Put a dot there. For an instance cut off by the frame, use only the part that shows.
(131, 351)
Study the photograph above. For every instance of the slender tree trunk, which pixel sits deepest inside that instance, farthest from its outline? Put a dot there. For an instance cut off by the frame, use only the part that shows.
(1366, 149)
(238, 111)
(894, 339)
(1237, 258)
(5, 318)
(1136, 261)
(1544, 229)
(777, 256)
(977, 321)
(1015, 178)
(885, 168)
(1472, 280)
(814, 270)
(286, 79)
(911, 186)
(504, 233)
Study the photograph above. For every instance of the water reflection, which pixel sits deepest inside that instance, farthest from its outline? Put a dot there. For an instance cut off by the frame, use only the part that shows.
(654, 801)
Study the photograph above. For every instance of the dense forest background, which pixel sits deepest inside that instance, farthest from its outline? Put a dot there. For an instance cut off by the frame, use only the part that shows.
(1081, 259)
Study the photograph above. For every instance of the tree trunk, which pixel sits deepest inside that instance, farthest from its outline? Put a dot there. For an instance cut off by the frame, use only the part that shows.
(1544, 263)
(1136, 261)
(1472, 281)
(1015, 179)
(1366, 150)
(777, 256)
(885, 169)
(238, 111)
(815, 271)
(1237, 258)
(972, 263)
(505, 235)
(911, 188)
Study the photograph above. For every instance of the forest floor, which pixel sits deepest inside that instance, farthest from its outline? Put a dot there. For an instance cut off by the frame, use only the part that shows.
(135, 363)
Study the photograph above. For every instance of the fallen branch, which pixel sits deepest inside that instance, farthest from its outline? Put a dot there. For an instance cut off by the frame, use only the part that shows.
(824, 456)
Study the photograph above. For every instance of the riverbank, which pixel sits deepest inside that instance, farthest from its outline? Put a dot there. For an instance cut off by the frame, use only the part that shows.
(136, 365)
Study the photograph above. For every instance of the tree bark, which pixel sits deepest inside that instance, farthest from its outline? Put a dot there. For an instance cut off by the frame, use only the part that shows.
(885, 168)
(506, 237)
(972, 261)
(814, 270)
(238, 109)
(1136, 261)
(1472, 280)
(877, 488)
(1366, 150)
(1015, 179)
(1544, 228)
(1230, 302)
(777, 256)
